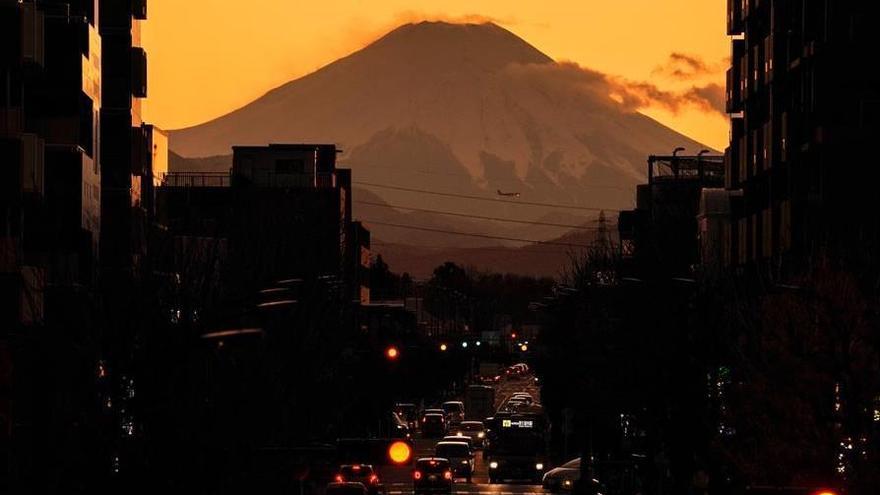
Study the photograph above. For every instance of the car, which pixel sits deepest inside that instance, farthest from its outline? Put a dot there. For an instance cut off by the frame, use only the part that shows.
(360, 473)
(460, 456)
(399, 427)
(454, 410)
(345, 488)
(408, 412)
(433, 425)
(459, 438)
(432, 475)
(562, 478)
(475, 430)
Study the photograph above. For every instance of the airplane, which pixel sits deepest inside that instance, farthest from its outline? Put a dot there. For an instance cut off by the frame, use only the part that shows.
(510, 194)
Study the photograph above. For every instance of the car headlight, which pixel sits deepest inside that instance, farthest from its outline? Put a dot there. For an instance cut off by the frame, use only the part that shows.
(493, 465)
(481, 435)
(464, 462)
(539, 466)
(566, 483)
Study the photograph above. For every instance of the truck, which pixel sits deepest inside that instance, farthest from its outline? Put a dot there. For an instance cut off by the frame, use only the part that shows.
(517, 446)
(479, 402)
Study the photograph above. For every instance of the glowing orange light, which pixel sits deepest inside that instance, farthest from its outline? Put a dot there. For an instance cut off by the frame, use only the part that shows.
(443, 347)
(399, 452)
(448, 475)
(392, 352)
(417, 475)
(339, 478)
(825, 492)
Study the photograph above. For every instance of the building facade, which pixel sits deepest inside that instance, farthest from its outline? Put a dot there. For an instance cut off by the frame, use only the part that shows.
(658, 239)
(50, 231)
(283, 211)
(803, 107)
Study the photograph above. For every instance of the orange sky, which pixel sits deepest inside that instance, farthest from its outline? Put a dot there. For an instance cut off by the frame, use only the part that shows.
(207, 57)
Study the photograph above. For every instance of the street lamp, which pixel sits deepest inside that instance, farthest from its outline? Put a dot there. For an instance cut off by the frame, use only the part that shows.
(524, 347)
(477, 343)
(443, 347)
(464, 345)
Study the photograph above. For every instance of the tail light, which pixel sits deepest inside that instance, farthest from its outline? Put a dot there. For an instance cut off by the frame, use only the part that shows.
(417, 475)
(339, 478)
(447, 475)
(374, 479)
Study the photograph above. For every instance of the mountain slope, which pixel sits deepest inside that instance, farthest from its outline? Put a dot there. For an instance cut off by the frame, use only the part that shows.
(462, 108)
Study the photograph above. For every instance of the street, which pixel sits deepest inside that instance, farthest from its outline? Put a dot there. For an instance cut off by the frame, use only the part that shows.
(398, 480)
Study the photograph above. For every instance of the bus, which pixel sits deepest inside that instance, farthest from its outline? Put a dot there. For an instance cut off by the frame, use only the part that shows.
(517, 446)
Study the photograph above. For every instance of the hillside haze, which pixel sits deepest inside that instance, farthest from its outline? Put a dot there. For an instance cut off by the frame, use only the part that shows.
(463, 108)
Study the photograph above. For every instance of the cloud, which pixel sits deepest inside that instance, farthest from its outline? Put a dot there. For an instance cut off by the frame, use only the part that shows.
(592, 88)
(413, 16)
(712, 97)
(686, 67)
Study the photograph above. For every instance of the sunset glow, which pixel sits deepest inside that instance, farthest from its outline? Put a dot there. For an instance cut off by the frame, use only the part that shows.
(208, 57)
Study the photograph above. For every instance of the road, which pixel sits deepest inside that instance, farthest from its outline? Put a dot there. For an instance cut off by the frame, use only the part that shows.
(398, 480)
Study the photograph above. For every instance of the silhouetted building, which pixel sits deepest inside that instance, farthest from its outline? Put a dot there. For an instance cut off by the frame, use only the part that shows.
(804, 104)
(50, 228)
(283, 211)
(713, 228)
(659, 237)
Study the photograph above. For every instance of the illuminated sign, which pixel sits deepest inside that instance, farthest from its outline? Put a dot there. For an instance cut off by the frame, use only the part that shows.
(522, 423)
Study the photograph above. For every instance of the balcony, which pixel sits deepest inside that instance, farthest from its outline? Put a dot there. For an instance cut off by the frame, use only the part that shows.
(195, 179)
(33, 41)
(33, 171)
(138, 72)
(139, 9)
(734, 17)
(707, 169)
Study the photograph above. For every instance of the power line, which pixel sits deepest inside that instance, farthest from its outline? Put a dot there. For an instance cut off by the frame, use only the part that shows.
(465, 215)
(397, 170)
(466, 250)
(470, 234)
(482, 198)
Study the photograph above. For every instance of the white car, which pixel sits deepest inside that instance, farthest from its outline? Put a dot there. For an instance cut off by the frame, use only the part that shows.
(562, 478)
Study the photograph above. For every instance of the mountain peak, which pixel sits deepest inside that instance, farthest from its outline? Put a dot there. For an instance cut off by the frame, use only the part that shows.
(485, 44)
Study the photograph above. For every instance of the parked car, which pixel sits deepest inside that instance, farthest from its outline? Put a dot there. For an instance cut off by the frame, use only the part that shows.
(562, 478)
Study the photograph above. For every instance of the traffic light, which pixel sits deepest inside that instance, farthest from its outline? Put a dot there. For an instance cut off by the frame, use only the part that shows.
(392, 353)
(399, 452)
(376, 451)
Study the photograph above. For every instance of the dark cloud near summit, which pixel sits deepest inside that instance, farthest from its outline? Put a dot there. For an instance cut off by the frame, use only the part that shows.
(592, 88)
(686, 67)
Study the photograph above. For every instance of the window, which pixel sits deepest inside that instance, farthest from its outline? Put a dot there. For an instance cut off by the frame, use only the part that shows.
(290, 166)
